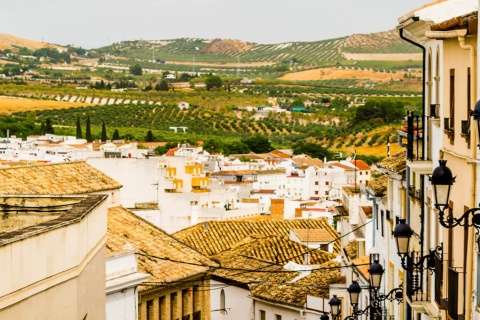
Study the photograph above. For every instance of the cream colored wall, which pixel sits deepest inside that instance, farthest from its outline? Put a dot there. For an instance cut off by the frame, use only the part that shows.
(458, 153)
(73, 299)
(62, 269)
(457, 58)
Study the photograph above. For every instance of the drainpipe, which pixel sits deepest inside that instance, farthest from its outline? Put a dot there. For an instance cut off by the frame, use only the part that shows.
(407, 206)
(460, 35)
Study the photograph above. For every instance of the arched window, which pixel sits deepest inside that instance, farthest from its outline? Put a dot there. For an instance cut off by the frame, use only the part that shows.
(222, 302)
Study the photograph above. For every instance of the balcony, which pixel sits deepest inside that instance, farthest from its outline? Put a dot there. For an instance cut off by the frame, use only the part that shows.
(414, 194)
(434, 111)
(439, 298)
(466, 131)
(448, 128)
(454, 292)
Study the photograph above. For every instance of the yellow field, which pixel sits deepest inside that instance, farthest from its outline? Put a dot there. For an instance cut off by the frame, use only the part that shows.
(336, 73)
(10, 104)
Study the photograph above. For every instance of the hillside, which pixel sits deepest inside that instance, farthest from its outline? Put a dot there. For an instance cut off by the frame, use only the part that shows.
(221, 51)
(8, 41)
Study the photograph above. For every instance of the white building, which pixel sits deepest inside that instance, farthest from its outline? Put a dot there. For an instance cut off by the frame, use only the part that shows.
(121, 286)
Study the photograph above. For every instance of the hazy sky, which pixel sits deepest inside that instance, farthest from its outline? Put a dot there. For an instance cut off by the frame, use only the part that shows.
(95, 23)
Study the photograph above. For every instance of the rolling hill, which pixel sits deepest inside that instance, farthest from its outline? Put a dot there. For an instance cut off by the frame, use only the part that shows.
(384, 45)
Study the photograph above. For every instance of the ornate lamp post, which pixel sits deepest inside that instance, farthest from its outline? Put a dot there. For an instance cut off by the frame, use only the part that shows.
(374, 308)
(442, 180)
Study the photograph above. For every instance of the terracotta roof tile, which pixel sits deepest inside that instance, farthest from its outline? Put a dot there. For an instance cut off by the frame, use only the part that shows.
(216, 236)
(295, 293)
(362, 264)
(171, 152)
(274, 249)
(360, 164)
(58, 178)
(314, 235)
(351, 249)
(167, 258)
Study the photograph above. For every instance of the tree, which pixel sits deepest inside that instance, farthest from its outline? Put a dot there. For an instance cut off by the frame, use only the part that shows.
(258, 144)
(162, 86)
(312, 149)
(49, 126)
(213, 145)
(104, 132)
(116, 135)
(136, 70)
(79, 129)
(213, 82)
(150, 137)
(161, 150)
(88, 131)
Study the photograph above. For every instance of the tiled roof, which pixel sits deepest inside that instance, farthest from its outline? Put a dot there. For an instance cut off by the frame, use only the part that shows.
(279, 154)
(351, 249)
(314, 235)
(307, 162)
(264, 191)
(379, 185)
(237, 268)
(171, 152)
(58, 178)
(361, 165)
(367, 210)
(216, 236)
(167, 258)
(342, 166)
(283, 290)
(362, 264)
(275, 249)
(396, 163)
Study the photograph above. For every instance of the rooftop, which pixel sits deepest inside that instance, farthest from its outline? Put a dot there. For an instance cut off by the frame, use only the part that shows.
(294, 293)
(315, 235)
(213, 237)
(29, 227)
(58, 179)
(162, 256)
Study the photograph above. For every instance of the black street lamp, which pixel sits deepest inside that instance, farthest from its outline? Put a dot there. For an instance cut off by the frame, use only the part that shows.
(376, 272)
(334, 306)
(374, 308)
(442, 180)
(411, 263)
(354, 292)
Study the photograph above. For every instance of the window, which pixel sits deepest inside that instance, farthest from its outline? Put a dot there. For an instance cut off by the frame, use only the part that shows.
(452, 99)
(262, 315)
(278, 317)
(173, 306)
(381, 213)
(316, 192)
(327, 183)
(316, 183)
(150, 310)
(162, 309)
(222, 302)
(185, 302)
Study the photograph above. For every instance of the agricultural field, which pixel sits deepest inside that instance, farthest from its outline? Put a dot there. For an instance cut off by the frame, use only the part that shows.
(13, 104)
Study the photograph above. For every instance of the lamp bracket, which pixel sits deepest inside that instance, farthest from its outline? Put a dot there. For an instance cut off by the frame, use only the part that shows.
(449, 221)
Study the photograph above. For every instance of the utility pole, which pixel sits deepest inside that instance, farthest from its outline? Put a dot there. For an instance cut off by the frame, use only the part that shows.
(238, 67)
